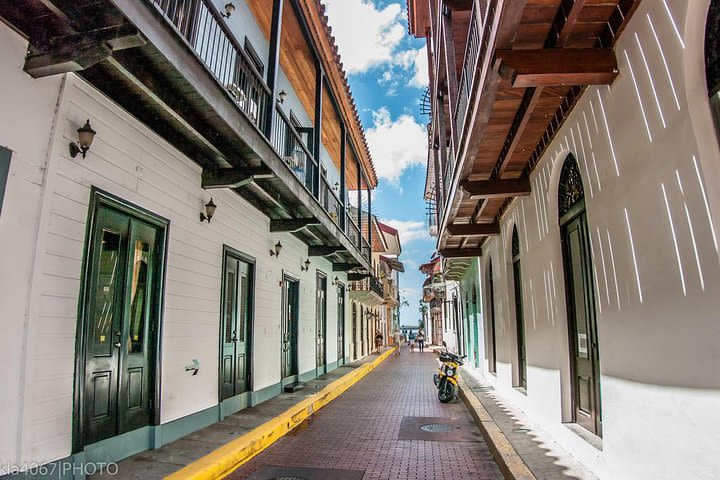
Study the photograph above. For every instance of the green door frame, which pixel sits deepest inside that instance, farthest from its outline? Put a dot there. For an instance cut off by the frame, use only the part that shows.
(249, 327)
(100, 198)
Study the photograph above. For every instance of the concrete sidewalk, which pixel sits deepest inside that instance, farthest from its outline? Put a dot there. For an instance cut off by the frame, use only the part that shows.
(157, 464)
(542, 456)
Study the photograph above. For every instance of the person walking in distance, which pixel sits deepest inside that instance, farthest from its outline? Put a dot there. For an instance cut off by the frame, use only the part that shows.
(421, 340)
(397, 338)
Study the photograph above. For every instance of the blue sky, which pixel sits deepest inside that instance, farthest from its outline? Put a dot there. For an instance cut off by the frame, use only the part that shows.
(387, 70)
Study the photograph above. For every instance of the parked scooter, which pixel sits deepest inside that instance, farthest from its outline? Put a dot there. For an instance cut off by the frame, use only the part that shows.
(446, 378)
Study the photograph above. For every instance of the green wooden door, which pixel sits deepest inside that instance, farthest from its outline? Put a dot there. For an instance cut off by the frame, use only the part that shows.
(476, 328)
(582, 325)
(321, 323)
(520, 325)
(289, 327)
(340, 323)
(125, 262)
(492, 363)
(236, 327)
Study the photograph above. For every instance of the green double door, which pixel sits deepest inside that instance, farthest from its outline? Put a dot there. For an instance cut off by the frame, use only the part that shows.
(520, 325)
(289, 328)
(340, 323)
(321, 324)
(584, 353)
(236, 327)
(120, 316)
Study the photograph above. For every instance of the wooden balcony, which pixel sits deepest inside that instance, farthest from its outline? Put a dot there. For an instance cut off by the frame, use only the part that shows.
(367, 291)
(499, 97)
(178, 68)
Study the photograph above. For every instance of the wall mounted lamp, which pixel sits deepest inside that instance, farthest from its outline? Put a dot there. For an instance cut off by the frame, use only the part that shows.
(336, 281)
(282, 96)
(209, 211)
(336, 187)
(229, 9)
(85, 138)
(306, 267)
(275, 252)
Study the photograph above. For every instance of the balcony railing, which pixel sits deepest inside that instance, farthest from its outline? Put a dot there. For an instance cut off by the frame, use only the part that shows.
(478, 40)
(368, 284)
(288, 143)
(203, 28)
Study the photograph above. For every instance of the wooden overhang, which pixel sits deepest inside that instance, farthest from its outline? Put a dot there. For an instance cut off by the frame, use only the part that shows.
(540, 56)
(129, 51)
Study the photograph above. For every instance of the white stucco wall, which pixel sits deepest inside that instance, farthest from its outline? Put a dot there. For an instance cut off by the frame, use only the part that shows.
(646, 138)
(46, 208)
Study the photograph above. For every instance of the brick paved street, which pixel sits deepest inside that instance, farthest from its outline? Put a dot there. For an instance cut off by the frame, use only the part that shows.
(373, 428)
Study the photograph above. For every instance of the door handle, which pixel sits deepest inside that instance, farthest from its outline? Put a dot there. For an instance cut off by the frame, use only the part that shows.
(118, 344)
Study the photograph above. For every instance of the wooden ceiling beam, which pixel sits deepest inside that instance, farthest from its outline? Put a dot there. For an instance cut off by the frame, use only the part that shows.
(500, 188)
(558, 67)
(324, 250)
(461, 253)
(292, 225)
(473, 229)
(233, 177)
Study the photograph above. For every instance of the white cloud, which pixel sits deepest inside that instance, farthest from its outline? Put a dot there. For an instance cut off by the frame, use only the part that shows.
(396, 144)
(421, 78)
(366, 37)
(409, 230)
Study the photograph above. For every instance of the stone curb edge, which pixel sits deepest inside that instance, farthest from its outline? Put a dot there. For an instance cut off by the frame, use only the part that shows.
(229, 457)
(505, 455)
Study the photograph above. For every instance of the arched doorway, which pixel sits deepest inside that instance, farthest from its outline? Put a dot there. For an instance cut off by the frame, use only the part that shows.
(580, 297)
(519, 314)
(492, 357)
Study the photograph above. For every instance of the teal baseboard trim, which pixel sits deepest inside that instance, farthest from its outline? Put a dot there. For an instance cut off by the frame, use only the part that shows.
(289, 380)
(171, 431)
(68, 468)
(331, 366)
(122, 446)
(234, 404)
(309, 375)
(266, 393)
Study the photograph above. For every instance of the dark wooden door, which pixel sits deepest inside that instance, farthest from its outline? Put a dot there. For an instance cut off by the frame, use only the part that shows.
(236, 327)
(584, 352)
(341, 322)
(321, 323)
(289, 327)
(125, 265)
(354, 330)
(520, 325)
(492, 364)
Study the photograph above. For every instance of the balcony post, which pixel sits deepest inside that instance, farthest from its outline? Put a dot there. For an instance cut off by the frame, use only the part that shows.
(341, 193)
(317, 132)
(273, 63)
(451, 75)
(359, 200)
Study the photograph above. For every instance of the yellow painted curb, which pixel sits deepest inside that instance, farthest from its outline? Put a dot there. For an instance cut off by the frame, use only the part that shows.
(229, 457)
(507, 458)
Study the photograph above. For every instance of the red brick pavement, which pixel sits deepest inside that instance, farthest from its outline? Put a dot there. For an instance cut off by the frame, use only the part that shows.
(359, 431)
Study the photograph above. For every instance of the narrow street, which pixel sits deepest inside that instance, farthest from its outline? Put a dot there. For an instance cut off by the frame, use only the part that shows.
(373, 432)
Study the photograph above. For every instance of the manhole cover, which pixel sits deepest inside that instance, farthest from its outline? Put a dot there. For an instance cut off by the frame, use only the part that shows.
(437, 428)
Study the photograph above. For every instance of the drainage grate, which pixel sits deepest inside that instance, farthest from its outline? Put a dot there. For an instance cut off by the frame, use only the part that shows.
(437, 428)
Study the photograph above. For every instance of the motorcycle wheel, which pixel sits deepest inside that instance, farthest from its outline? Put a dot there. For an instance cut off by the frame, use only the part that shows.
(436, 379)
(446, 392)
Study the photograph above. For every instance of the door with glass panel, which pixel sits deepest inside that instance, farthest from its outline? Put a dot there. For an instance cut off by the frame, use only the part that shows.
(321, 323)
(289, 327)
(121, 316)
(236, 331)
(340, 323)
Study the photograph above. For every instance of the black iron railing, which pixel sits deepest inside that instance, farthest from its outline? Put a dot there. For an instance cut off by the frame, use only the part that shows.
(330, 201)
(289, 144)
(202, 26)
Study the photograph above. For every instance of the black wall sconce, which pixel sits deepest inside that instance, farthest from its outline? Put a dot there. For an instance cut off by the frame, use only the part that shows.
(282, 96)
(85, 138)
(306, 267)
(209, 211)
(275, 252)
(336, 281)
(229, 9)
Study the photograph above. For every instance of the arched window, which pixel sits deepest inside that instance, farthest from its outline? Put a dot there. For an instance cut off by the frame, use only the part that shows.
(712, 59)
(580, 298)
(519, 315)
